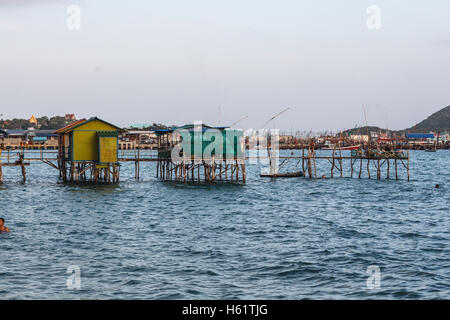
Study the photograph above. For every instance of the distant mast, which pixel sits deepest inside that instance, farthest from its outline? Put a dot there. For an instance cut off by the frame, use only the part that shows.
(367, 126)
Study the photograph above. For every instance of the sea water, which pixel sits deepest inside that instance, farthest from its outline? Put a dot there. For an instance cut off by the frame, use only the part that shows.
(293, 238)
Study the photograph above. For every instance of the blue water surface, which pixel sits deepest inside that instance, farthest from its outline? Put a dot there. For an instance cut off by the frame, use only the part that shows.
(284, 239)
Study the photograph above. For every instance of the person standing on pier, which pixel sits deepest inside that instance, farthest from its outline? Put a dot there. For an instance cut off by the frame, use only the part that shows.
(2, 226)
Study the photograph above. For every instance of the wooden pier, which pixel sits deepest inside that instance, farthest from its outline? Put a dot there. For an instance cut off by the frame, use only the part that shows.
(360, 162)
(371, 163)
(17, 163)
(197, 170)
(226, 165)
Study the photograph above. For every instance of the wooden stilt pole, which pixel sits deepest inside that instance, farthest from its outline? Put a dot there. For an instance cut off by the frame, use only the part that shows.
(378, 169)
(168, 170)
(332, 166)
(303, 160)
(351, 167)
(135, 170)
(388, 167)
(72, 169)
(407, 168)
(360, 168)
(213, 165)
(396, 173)
(314, 159)
(309, 163)
(157, 169)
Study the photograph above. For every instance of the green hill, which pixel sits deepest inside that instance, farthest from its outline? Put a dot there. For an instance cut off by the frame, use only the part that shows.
(438, 122)
(362, 130)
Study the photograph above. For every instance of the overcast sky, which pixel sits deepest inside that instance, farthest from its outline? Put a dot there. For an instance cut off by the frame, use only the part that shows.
(176, 61)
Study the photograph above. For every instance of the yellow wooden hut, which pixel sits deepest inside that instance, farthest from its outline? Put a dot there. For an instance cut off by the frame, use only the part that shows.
(88, 145)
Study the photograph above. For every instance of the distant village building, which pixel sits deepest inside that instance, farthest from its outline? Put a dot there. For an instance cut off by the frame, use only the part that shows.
(3, 135)
(33, 120)
(28, 138)
(139, 136)
(420, 138)
(359, 137)
(286, 139)
(379, 135)
(70, 117)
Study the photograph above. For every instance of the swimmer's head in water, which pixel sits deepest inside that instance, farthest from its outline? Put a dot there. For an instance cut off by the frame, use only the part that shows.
(2, 222)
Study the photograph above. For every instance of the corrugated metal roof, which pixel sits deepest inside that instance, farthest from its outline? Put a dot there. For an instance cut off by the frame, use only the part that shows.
(14, 132)
(38, 133)
(45, 133)
(420, 135)
(188, 127)
(82, 122)
(69, 126)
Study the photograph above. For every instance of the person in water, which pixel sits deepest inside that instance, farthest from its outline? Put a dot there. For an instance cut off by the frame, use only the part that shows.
(2, 226)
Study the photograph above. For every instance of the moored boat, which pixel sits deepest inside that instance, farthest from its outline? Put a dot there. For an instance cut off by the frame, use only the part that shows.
(283, 175)
(342, 148)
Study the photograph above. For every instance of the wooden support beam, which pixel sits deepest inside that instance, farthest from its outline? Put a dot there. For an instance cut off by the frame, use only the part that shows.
(303, 160)
(378, 170)
(360, 168)
(408, 166)
(396, 174)
(388, 167)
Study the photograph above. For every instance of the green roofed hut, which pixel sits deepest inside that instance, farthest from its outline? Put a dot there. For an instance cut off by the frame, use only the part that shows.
(198, 152)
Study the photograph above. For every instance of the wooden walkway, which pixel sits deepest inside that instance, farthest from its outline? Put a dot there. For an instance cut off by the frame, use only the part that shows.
(361, 162)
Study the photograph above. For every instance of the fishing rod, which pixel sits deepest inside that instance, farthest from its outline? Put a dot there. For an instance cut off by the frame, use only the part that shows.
(239, 120)
(278, 114)
(269, 139)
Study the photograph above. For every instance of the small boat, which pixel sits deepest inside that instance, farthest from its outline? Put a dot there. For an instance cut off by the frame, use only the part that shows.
(342, 148)
(433, 148)
(283, 175)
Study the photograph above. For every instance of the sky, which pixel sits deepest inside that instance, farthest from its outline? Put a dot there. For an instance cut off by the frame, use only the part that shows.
(177, 61)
